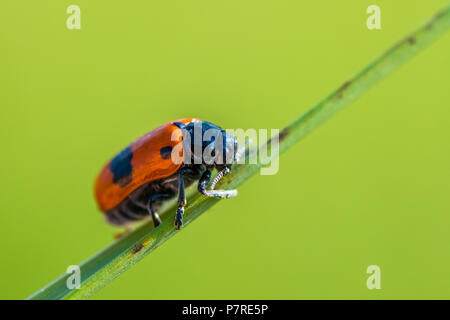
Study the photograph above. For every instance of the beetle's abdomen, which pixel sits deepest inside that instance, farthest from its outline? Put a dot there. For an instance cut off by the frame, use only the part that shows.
(134, 206)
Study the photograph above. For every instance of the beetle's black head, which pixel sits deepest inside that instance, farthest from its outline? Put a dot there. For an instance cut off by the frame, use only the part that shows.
(209, 145)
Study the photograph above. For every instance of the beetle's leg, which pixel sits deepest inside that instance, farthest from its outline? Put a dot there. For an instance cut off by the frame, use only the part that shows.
(154, 198)
(181, 201)
(220, 194)
(203, 182)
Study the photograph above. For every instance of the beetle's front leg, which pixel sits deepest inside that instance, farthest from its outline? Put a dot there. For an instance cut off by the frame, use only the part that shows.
(181, 201)
(203, 182)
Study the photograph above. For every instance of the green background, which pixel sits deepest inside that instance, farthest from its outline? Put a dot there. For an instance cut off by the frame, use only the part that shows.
(369, 187)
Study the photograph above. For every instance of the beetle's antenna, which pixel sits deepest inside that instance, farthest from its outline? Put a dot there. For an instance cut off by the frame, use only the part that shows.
(219, 176)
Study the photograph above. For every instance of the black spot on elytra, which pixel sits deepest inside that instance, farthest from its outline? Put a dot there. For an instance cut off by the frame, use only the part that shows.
(180, 125)
(166, 152)
(121, 167)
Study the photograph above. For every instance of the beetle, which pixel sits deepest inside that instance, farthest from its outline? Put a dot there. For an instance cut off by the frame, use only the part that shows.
(140, 178)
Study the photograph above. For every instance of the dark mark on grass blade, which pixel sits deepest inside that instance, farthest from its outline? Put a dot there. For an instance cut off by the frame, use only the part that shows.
(283, 134)
(342, 88)
(137, 248)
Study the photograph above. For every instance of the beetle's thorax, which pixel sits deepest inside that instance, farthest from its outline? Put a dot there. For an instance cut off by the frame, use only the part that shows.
(207, 144)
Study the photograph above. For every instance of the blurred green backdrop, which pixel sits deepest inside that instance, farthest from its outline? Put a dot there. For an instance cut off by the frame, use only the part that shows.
(369, 187)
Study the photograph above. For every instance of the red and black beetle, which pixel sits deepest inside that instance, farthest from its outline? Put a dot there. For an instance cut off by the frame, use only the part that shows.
(142, 176)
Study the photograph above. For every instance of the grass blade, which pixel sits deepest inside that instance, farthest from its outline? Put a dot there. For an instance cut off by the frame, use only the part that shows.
(102, 268)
